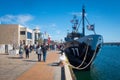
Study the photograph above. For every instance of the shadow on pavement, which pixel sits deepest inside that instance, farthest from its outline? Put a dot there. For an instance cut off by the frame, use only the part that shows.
(15, 58)
(4, 54)
(30, 60)
(54, 64)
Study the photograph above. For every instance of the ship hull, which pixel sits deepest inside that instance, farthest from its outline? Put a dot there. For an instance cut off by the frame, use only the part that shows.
(82, 52)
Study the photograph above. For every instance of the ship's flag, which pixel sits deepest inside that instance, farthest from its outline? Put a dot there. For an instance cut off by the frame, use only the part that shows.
(90, 27)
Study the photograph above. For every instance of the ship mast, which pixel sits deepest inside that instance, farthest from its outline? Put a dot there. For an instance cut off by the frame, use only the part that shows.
(83, 22)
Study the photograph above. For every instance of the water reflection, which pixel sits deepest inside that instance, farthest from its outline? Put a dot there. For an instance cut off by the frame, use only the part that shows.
(83, 75)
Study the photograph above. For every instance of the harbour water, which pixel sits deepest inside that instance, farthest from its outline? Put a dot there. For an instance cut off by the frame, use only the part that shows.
(106, 66)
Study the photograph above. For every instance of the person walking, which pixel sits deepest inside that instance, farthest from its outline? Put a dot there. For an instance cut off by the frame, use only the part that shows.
(21, 49)
(27, 51)
(39, 52)
(44, 50)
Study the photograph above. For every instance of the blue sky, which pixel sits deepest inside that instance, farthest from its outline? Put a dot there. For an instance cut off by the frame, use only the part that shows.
(53, 16)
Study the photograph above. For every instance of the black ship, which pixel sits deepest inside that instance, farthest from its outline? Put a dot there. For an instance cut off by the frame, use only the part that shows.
(81, 49)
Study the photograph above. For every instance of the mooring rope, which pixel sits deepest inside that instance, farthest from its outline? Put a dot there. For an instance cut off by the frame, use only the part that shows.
(79, 67)
(84, 58)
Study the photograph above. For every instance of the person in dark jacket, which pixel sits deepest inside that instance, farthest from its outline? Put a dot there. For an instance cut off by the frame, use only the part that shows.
(27, 51)
(44, 50)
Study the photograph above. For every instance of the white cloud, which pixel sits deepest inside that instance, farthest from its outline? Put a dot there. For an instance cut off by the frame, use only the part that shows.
(24, 18)
(16, 19)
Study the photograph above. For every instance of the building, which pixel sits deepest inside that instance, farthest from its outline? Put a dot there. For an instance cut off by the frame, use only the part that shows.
(36, 35)
(15, 34)
(9, 34)
(26, 36)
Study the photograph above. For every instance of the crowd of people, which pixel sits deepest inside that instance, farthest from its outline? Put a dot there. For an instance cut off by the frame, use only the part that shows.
(40, 50)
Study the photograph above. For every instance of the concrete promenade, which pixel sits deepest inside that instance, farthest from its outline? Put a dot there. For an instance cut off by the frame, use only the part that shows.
(14, 68)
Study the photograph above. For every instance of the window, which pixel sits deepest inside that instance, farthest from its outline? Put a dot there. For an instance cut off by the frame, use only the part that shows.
(22, 32)
(29, 35)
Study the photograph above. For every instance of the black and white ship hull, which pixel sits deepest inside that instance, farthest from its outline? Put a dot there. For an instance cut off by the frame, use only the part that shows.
(81, 52)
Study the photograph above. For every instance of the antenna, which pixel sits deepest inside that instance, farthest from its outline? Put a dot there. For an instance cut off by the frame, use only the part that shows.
(83, 22)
